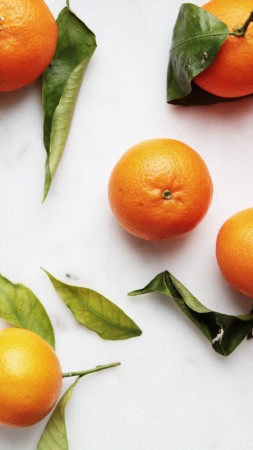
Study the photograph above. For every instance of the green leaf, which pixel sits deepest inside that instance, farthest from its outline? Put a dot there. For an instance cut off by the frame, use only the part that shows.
(61, 83)
(96, 312)
(54, 436)
(225, 332)
(197, 38)
(20, 307)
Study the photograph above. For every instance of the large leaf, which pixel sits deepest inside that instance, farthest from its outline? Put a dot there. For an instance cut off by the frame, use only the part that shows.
(61, 83)
(54, 436)
(96, 312)
(20, 307)
(197, 38)
(225, 332)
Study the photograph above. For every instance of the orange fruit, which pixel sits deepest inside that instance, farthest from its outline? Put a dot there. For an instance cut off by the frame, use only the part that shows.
(28, 38)
(230, 74)
(234, 251)
(160, 189)
(30, 377)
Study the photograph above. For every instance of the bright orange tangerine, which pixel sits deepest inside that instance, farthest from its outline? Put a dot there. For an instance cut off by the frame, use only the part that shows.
(160, 189)
(30, 377)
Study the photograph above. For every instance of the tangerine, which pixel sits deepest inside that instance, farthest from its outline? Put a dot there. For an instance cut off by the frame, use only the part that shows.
(30, 377)
(234, 251)
(160, 189)
(230, 74)
(28, 38)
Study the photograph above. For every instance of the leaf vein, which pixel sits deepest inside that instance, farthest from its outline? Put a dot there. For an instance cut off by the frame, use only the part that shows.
(198, 38)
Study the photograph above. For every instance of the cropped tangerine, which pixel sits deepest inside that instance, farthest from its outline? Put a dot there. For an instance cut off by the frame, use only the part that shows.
(234, 251)
(30, 377)
(28, 38)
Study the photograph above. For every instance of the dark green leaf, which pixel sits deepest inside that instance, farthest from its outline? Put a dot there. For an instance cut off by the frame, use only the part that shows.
(20, 307)
(199, 96)
(197, 38)
(61, 84)
(95, 311)
(54, 436)
(225, 332)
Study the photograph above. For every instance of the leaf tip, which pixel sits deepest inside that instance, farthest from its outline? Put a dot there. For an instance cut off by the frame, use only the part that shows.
(46, 190)
(132, 293)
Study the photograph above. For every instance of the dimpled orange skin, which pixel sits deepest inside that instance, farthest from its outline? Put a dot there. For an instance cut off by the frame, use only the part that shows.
(230, 74)
(150, 171)
(234, 251)
(30, 378)
(28, 38)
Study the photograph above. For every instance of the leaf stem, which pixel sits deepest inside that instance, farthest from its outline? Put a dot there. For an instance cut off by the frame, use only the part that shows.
(240, 31)
(87, 372)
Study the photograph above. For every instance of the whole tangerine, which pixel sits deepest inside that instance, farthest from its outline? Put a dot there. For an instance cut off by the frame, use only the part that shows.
(28, 38)
(30, 378)
(160, 189)
(234, 251)
(230, 74)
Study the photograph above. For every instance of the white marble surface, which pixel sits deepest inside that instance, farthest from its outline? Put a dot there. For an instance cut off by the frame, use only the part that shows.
(172, 390)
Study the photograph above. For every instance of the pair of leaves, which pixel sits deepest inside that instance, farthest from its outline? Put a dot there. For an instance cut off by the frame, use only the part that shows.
(20, 307)
(61, 83)
(197, 38)
(225, 332)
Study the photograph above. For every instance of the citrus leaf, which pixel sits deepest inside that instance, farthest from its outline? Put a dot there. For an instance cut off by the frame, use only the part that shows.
(61, 83)
(20, 307)
(96, 312)
(54, 436)
(197, 38)
(225, 332)
(199, 96)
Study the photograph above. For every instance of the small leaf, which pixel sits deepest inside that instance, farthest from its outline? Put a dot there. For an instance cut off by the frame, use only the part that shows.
(96, 312)
(199, 96)
(54, 436)
(225, 332)
(20, 307)
(61, 83)
(197, 38)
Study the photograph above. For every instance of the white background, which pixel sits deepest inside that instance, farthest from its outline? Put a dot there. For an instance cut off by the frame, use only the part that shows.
(172, 391)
